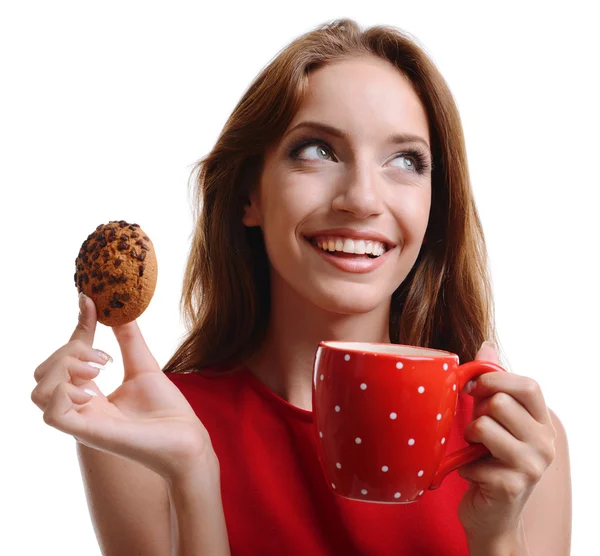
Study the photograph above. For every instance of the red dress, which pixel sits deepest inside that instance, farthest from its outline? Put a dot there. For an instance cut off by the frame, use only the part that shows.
(275, 496)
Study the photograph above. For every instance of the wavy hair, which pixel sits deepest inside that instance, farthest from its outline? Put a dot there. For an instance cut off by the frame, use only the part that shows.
(445, 302)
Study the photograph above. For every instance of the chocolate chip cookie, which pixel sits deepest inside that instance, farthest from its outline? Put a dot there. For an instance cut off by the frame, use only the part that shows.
(117, 268)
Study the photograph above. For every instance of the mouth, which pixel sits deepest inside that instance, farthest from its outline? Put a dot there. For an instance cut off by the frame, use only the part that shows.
(348, 248)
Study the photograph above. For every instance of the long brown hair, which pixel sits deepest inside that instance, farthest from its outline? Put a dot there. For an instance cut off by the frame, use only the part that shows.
(445, 302)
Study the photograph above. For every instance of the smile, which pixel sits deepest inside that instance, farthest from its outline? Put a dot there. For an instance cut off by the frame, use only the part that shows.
(356, 256)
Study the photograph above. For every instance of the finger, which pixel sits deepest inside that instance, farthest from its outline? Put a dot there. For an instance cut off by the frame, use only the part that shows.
(507, 411)
(137, 357)
(75, 348)
(506, 484)
(488, 352)
(523, 389)
(504, 446)
(61, 412)
(87, 319)
(72, 370)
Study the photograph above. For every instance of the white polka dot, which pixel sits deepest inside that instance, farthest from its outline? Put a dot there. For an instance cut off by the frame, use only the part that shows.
(363, 491)
(347, 357)
(445, 366)
(332, 485)
(397, 495)
(338, 465)
(420, 389)
(363, 386)
(358, 440)
(337, 408)
(439, 417)
(393, 415)
(420, 473)
(385, 468)
(399, 365)
(320, 434)
(411, 442)
(443, 440)
(322, 377)
(421, 493)
(454, 387)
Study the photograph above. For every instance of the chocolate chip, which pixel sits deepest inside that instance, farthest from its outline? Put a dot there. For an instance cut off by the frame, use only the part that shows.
(141, 273)
(123, 279)
(99, 227)
(101, 287)
(142, 256)
(95, 255)
(139, 242)
(105, 274)
(124, 237)
(123, 224)
(133, 253)
(122, 246)
(134, 235)
(86, 278)
(146, 247)
(118, 262)
(125, 296)
(146, 238)
(94, 288)
(107, 312)
(116, 304)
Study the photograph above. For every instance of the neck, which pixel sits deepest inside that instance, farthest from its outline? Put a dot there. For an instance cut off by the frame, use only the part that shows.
(284, 362)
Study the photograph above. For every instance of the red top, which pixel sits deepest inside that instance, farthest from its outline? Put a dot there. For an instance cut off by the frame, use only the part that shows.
(275, 496)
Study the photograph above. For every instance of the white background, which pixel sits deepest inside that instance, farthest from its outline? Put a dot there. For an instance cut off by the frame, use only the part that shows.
(104, 108)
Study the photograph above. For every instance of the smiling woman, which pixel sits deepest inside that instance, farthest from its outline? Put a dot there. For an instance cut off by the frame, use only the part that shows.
(335, 205)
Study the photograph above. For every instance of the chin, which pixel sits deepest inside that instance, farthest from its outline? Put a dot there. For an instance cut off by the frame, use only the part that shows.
(345, 302)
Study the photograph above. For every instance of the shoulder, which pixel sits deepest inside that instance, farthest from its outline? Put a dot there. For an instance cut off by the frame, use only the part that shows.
(209, 389)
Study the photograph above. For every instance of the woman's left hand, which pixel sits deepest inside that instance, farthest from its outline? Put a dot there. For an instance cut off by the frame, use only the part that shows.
(511, 420)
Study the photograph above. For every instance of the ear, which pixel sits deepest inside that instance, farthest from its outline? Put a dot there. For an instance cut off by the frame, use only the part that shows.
(251, 212)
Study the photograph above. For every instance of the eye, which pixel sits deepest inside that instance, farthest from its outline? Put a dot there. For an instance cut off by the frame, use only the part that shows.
(409, 164)
(320, 151)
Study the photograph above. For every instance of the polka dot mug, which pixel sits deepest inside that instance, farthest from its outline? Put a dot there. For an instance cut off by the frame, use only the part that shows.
(383, 412)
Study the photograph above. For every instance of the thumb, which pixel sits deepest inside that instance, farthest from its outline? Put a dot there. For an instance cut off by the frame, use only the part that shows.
(488, 352)
(137, 357)
(86, 325)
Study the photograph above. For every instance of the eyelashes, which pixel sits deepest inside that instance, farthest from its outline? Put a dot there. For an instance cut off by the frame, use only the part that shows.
(421, 161)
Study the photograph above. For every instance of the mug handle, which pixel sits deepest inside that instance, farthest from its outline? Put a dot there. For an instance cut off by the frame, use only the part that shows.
(473, 452)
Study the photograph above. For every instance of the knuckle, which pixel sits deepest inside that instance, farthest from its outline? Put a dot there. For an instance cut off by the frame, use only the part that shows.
(532, 388)
(512, 487)
(36, 397)
(499, 402)
(532, 469)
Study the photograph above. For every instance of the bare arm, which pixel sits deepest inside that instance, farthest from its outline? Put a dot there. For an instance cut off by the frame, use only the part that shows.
(128, 504)
(547, 515)
(197, 518)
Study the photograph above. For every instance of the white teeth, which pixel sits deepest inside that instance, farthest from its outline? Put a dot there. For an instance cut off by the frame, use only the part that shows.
(347, 245)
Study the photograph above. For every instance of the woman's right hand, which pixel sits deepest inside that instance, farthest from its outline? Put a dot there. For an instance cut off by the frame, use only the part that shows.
(146, 419)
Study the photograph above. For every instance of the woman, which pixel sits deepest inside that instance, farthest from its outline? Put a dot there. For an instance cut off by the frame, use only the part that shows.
(346, 148)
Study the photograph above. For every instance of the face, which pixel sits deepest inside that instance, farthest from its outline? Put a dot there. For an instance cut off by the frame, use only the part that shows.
(328, 187)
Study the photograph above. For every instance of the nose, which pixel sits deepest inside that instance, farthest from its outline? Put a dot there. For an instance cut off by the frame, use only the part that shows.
(359, 194)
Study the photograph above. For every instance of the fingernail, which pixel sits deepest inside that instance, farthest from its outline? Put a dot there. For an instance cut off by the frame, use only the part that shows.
(82, 297)
(490, 344)
(469, 386)
(104, 355)
(89, 391)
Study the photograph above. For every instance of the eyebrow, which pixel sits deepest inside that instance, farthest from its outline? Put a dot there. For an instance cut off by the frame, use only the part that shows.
(395, 138)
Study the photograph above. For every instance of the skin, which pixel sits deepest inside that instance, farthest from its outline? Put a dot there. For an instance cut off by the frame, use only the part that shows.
(361, 181)
(519, 501)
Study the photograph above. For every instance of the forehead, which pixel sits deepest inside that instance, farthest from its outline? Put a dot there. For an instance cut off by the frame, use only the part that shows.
(367, 97)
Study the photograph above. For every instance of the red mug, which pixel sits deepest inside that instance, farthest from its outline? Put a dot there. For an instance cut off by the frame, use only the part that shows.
(383, 412)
